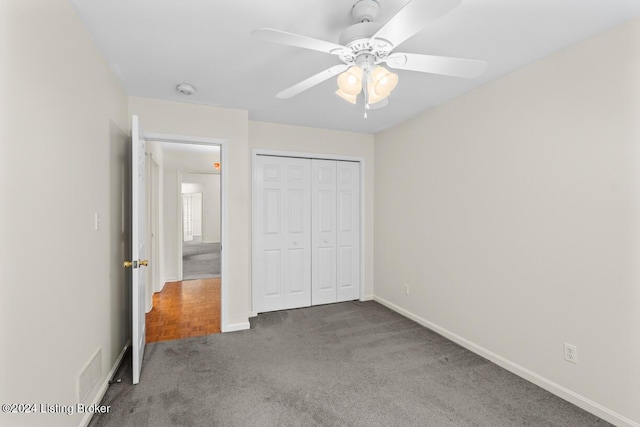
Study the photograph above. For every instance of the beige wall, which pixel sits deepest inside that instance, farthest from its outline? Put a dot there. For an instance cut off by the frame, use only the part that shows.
(64, 131)
(322, 141)
(513, 214)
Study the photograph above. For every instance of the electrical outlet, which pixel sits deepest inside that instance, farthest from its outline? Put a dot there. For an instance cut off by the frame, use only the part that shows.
(406, 289)
(570, 353)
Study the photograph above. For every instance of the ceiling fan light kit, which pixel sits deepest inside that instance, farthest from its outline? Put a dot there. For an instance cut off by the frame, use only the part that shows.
(367, 44)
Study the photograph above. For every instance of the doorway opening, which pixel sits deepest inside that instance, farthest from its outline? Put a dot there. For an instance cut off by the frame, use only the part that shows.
(186, 295)
(200, 226)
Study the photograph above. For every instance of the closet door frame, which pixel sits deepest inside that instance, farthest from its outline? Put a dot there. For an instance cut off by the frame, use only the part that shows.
(254, 217)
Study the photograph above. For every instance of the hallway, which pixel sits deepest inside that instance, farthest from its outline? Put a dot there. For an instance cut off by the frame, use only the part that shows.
(200, 260)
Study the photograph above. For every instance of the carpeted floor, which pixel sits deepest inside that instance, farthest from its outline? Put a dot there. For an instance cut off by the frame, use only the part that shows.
(200, 260)
(347, 364)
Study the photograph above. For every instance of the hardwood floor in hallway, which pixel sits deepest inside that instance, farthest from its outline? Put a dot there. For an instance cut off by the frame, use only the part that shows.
(190, 308)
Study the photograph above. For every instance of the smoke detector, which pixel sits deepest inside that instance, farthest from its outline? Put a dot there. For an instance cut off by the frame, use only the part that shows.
(186, 89)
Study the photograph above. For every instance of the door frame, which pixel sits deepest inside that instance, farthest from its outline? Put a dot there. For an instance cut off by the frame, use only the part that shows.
(224, 205)
(155, 209)
(153, 231)
(305, 155)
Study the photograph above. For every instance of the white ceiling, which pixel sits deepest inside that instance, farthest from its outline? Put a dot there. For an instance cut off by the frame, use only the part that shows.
(153, 45)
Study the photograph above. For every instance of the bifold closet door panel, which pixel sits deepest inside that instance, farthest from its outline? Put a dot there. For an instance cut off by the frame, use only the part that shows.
(323, 234)
(282, 276)
(348, 230)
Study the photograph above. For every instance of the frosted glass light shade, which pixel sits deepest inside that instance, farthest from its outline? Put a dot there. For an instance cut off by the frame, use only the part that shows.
(347, 97)
(350, 82)
(372, 95)
(383, 82)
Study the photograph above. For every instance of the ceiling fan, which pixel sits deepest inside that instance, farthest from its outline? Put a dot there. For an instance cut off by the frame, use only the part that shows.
(366, 44)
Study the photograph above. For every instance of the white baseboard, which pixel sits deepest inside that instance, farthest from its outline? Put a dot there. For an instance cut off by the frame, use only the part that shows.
(369, 297)
(105, 385)
(168, 280)
(537, 379)
(233, 327)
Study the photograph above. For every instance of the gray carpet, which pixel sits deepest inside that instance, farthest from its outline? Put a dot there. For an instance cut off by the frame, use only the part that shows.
(347, 364)
(200, 260)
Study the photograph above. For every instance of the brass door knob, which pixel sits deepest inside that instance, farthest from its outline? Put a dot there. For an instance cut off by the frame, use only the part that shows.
(127, 264)
(143, 262)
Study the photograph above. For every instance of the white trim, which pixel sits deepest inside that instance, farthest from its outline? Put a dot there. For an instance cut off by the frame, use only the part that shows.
(304, 155)
(537, 379)
(183, 139)
(168, 280)
(324, 156)
(368, 297)
(224, 185)
(155, 225)
(105, 385)
(180, 227)
(233, 327)
(224, 236)
(363, 209)
(254, 227)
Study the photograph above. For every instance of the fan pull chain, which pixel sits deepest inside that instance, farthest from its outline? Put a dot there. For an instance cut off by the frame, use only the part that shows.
(365, 85)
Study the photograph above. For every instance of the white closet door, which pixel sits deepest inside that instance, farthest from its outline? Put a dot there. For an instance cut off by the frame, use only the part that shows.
(323, 235)
(282, 267)
(348, 230)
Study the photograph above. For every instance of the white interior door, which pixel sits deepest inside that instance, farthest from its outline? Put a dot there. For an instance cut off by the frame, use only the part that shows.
(138, 239)
(282, 255)
(323, 235)
(348, 230)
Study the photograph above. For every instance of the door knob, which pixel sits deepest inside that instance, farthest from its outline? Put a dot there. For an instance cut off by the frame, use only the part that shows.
(143, 262)
(127, 264)
(295, 242)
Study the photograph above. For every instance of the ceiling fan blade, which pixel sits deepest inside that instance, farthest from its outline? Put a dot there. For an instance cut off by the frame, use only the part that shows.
(446, 66)
(413, 17)
(297, 40)
(312, 81)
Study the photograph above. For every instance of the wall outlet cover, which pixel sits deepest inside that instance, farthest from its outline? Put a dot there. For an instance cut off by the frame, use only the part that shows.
(570, 353)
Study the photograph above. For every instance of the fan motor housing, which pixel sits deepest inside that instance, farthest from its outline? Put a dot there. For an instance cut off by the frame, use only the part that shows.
(365, 11)
(359, 31)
